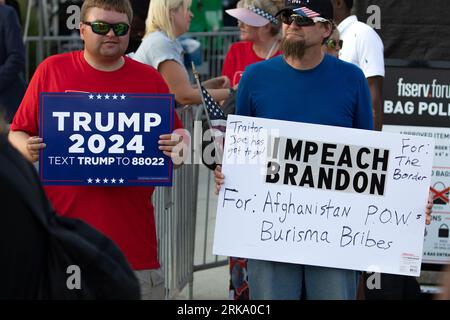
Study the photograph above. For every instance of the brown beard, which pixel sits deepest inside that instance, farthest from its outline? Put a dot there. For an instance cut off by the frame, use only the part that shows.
(293, 48)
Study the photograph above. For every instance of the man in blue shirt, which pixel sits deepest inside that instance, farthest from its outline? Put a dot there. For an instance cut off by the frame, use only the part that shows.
(307, 86)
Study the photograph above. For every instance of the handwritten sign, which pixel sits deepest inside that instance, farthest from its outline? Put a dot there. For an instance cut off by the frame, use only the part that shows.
(325, 196)
(436, 248)
(105, 139)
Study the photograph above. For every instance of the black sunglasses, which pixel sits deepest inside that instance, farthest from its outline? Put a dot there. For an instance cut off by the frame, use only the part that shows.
(299, 20)
(99, 27)
(332, 44)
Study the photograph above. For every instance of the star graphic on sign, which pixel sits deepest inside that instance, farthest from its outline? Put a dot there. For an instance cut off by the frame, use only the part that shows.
(99, 96)
(107, 96)
(97, 180)
(113, 180)
(89, 180)
(105, 180)
(91, 96)
(115, 97)
(122, 97)
(121, 180)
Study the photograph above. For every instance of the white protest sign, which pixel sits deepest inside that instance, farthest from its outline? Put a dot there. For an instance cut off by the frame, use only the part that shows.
(322, 195)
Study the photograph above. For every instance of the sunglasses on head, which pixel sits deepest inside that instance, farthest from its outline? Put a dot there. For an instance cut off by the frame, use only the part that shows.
(99, 27)
(333, 44)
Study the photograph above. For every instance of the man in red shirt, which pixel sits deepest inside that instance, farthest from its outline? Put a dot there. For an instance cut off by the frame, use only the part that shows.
(125, 214)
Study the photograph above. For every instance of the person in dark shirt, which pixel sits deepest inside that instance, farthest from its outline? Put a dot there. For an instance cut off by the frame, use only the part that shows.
(22, 239)
(16, 6)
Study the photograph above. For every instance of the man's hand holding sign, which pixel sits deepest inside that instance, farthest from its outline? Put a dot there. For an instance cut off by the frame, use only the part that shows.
(323, 196)
(34, 146)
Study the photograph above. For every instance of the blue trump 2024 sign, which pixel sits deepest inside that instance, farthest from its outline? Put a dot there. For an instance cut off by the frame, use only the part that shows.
(105, 139)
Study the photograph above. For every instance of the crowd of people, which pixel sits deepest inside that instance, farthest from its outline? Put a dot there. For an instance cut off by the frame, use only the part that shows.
(280, 40)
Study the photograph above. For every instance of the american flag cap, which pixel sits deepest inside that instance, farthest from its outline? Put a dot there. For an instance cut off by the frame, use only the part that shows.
(309, 8)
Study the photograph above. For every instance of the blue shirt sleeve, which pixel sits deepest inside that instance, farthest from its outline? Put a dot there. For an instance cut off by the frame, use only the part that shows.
(12, 57)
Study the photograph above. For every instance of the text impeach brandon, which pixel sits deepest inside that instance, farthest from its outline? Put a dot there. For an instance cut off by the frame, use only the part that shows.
(328, 166)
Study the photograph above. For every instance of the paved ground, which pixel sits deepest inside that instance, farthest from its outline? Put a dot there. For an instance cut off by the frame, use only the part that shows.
(209, 284)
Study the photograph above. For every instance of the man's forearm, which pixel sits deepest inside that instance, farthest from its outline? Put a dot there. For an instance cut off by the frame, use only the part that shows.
(375, 85)
(377, 113)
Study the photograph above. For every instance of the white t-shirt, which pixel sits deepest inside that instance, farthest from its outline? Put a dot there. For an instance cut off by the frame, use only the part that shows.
(362, 47)
(157, 47)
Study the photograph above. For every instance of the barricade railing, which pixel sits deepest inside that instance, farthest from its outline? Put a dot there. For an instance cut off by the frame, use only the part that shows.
(175, 213)
(214, 46)
(205, 217)
(185, 217)
(38, 48)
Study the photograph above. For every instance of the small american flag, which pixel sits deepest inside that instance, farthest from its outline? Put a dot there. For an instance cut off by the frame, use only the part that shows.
(217, 121)
(305, 12)
(216, 116)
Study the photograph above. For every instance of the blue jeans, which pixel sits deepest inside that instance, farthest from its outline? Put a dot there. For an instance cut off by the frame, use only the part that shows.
(270, 280)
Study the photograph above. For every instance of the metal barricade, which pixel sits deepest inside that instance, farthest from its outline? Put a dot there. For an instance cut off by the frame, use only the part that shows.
(185, 218)
(46, 46)
(205, 213)
(214, 47)
(175, 210)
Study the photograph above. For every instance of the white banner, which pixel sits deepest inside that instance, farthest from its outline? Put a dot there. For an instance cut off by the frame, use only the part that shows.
(322, 195)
